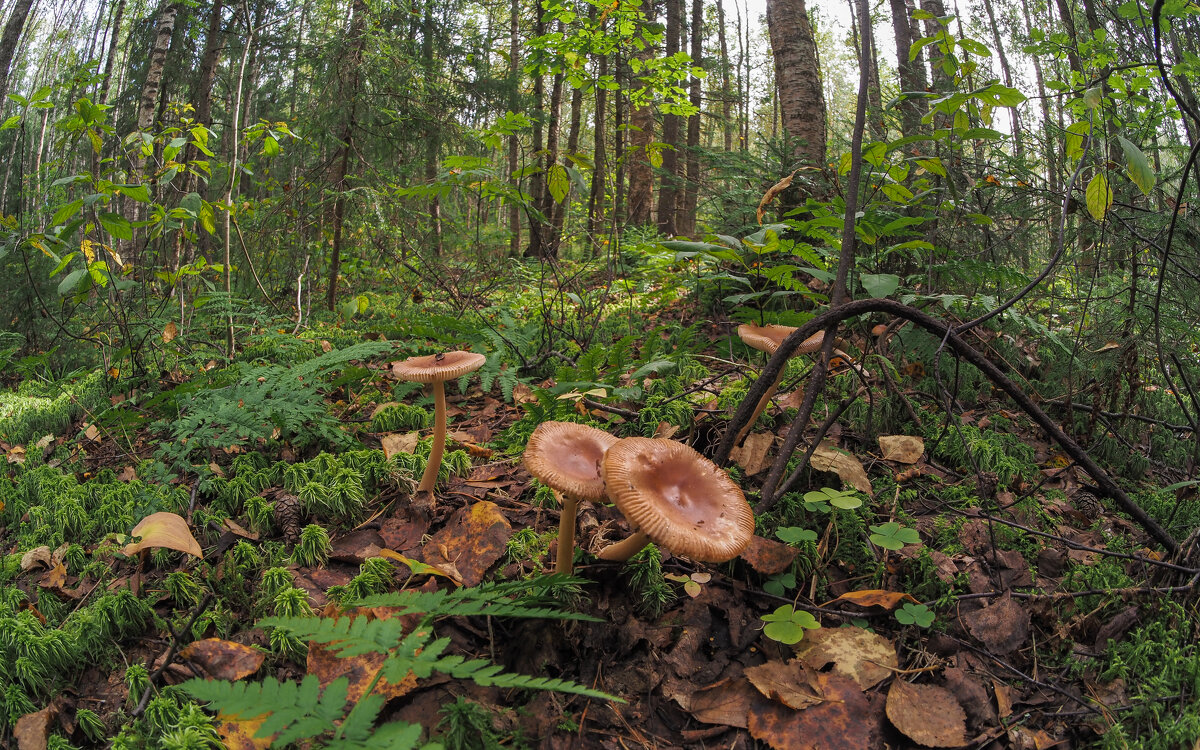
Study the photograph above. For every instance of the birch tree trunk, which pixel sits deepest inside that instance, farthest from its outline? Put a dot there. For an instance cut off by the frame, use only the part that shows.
(801, 99)
(158, 61)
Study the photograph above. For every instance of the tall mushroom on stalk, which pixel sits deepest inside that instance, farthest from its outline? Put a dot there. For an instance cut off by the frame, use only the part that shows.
(567, 457)
(677, 498)
(767, 339)
(436, 369)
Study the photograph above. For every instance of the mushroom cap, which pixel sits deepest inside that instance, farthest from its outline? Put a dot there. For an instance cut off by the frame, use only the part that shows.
(568, 456)
(678, 498)
(433, 368)
(768, 338)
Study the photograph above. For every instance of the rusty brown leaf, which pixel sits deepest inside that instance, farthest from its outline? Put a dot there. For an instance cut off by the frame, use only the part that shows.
(238, 734)
(751, 455)
(793, 684)
(327, 665)
(471, 542)
(31, 730)
(727, 702)
(169, 332)
(838, 723)
(55, 578)
(889, 600)
(223, 660)
(768, 556)
(398, 442)
(927, 714)
(849, 468)
(863, 656)
(36, 556)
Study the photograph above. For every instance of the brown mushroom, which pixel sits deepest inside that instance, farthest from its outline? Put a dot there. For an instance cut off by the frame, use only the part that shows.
(567, 457)
(675, 497)
(767, 339)
(436, 369)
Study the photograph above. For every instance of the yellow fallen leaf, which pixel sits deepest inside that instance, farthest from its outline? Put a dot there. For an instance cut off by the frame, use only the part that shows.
(163, 530)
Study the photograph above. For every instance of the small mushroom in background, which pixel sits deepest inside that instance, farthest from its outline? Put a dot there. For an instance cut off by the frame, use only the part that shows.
(436, 369)
(568, 457)
(767, 339)
(675, 497)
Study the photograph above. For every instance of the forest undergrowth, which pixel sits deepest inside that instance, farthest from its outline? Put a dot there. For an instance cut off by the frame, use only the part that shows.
(942, 574)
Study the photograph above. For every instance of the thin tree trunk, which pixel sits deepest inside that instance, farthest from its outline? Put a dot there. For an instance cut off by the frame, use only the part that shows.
(206, 76)
(599, 156)
(234, 128)
(726, 92)
(514, 105)
(668, 186)
(911, 72)
(1018, 136)
(691, 194)
(642, 122)
(351, 81)
(8, 44)
(154, 73)
(432, 142)
(112, 52)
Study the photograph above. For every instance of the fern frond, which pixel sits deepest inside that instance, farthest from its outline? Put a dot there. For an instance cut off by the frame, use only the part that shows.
(294, 711)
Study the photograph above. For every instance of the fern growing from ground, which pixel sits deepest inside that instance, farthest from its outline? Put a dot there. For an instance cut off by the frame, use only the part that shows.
(303, 712)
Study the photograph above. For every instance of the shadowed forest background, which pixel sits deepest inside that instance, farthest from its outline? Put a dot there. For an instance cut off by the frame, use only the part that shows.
(226, 224)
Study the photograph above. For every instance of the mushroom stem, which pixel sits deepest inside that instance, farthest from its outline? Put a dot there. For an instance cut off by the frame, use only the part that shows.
(762, 405)
(429, 478)
(623, 550)
(566, 533)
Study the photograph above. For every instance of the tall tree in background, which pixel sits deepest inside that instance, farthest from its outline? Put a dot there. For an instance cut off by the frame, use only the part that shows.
(8, 44)
(691, 193)
(668, 186)
(910, 68)
(801, 97)
(351, 79)
(641, 122)
(158, 61)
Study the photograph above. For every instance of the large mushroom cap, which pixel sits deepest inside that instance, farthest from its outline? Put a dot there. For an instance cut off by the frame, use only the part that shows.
(568, 457)
(768, 338)
(432, 368)
(678, 498)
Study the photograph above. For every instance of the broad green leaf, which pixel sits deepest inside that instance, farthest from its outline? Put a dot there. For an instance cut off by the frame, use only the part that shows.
(137, 192)
(880, 285)
(65, 212)
(116, 225)
(1099, 197)
(559, 182)
(1092, 96)
(1138, 166)
(68, 284)
(934, 165)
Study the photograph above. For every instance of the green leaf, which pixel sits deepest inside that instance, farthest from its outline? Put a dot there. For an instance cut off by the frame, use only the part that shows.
(559, 182)
(71, 281)
(880, 285)
(65, 212)
(137, 192)
(795, 534)
(914, 614)
(1092, 96)
(933, 165)
(116, 225)
(787, 624)
(1138, 166)
(1099, 197)
(11, 122)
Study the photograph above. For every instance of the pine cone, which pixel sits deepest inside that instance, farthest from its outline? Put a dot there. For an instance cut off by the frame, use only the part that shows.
(1088, 504)
(288, 516)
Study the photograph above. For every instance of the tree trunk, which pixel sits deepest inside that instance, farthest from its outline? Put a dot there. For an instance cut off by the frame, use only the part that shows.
(599, 157)
(514, 105)
(911, 72)
(691, 193)
(115, 34)
(668, 186)
(1018, 137)
(726, 92)
(802, 100)
(202, 96)
(642, 122)
(8, 44)
(432, 141)
(350, 84)
(158, 61)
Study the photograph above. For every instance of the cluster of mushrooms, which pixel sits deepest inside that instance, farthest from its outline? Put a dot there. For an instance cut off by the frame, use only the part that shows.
(669, 493)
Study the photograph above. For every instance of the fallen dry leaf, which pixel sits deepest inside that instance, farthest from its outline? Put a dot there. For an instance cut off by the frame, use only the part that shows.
(398, 442)
(31, 730)
(1003, 699)
(768, 556)
(727, 702)
(16, 454)
(165, 530)
(793, 684)
(751, 455)
(838, 723)
(849, 468)
(905, 449)
(169, 332)
(36, 556)
(1002, 627)
(472, 541)
(889, 600)
(55, 577)
(927, 714)
(223, 660)
(773, 191)
(360, 669)
(863, 656)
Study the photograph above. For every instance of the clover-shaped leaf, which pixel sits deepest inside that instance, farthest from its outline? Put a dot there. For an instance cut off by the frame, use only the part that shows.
(892, 535)
(780, 584)
(795, 534)
(844, 499)
(914, 614)
(787, 624)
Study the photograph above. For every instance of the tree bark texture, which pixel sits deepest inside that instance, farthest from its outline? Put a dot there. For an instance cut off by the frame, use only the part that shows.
(8, 44)
(691, 192)
(158, 61)
(801, 98)
(642, 123)
(668, 186)
(351, 82)
(911, 72)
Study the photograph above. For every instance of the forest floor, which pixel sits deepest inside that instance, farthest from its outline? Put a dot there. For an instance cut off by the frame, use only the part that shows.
(1023, 613)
